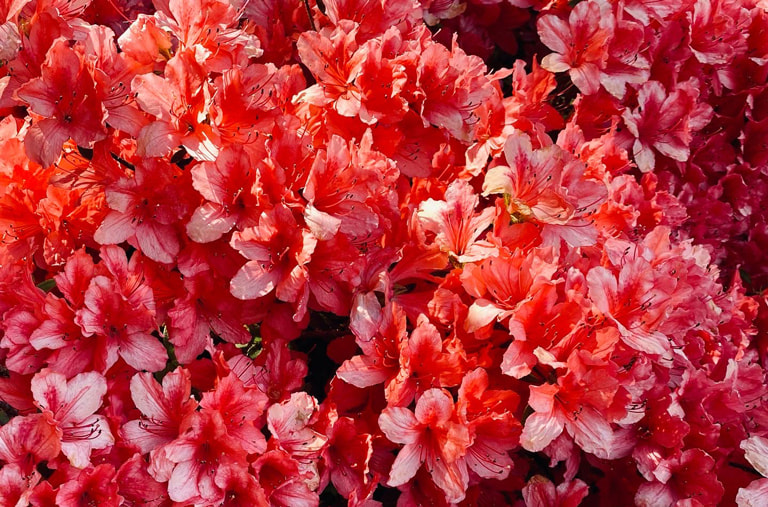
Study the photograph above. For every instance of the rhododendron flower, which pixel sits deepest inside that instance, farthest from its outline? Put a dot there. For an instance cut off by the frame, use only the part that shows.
(547, 186)
(583, 406)
(193, 461)
(662, 121)
(67, 100)
(631, 303)
(688, 475)
(145, 209)
(489, 416)
(278, 250)
(290, 423)
(164, 410)
(241, 409)
(179, 102)
(94, 486)
(432, 437)
(230, 187)
(455, 223)
(581, 45)
(119, 328)
(70, 406)
(28, 440)
(335, 60)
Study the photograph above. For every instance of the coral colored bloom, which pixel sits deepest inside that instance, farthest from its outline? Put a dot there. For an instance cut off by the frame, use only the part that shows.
(580, 45)
(278, 250)
(433, 438)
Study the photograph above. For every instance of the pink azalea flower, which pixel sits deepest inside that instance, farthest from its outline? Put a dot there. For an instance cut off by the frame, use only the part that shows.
(432, 437)
(581, 44)
(455, 224)
(70, 405)
(164, 409)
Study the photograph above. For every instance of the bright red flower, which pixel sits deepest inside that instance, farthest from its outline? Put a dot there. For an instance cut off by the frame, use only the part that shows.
(541, 492)
(278, 250)
(145, 209)
(290, 424)
(93, 486)
(230, 185)
(16, 486)
(137, 487)
(70, 406)
(203, 451)
(432, 437)
(546, 186)
(425, 361)
(349, 191)
(240, 488)
(335, 60)
(348, 455)
(245, 107)
(489, 416)
(210, 27)
(691, 474)
(451, 91)
(380, 359)
(66, 98)
(506, 288)
(282, 480)
(582, 401)
(26, 441)
(277, 372)
(119, 328)
(241, 410)
(631, 303)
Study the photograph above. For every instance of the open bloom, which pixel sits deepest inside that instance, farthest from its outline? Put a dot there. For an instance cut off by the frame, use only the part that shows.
(70, 405)
(433, 437)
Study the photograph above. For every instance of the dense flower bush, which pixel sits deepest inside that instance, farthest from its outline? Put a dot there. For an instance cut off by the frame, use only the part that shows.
(379, 252)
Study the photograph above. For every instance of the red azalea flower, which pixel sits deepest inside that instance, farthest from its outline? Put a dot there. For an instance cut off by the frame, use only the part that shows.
(193, 461)
(689, 475)
(241, 410)
(455, 223)
(137, 487)
(233, 195)
(489, 416)
(26, 441)
(67, 100)
(180, 103)
(145, 209)
(119, 328)
(93, 486)
(278, 250)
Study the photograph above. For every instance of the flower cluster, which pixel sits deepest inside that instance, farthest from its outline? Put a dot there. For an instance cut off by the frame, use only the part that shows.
(379, 252)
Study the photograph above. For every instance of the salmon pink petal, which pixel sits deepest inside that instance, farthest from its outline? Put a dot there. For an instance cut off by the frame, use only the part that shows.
(406, 464)
(399, 425)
